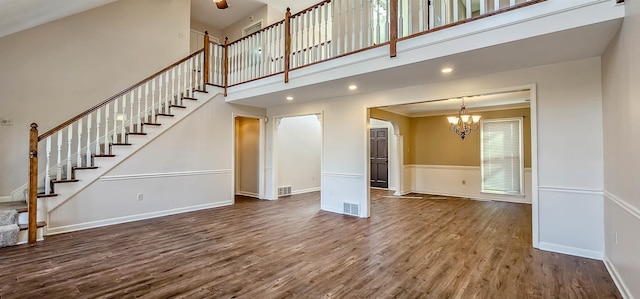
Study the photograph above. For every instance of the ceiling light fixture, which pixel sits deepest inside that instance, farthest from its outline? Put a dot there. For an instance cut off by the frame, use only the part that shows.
(353, 87)
(289, 98)
(463, 124)
(447, 70)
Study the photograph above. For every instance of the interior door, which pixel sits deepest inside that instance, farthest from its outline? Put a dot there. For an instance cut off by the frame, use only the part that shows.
(379, 158)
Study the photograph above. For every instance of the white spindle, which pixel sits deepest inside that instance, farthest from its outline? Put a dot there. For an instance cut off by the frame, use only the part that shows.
(98, 121)
(191, 75)
(173, 86)
(353, 25)
(123, 130)
(327, 9)
(165, 110)
(69, 142)
(88, 152)
(421, 15)
(115, 122)
(185, 80)
(132, 100)
(59, 157)
(455, 11)
(346, 27)
(79, 156)
(47, 176)
(361, 39)
(469, 12)
(483, 7)
(410, 17)
(336, 26)
(145, 114)
(496, 5)
(153, 101)
(512, 2)
(107, 116)
(139, 115)
(378, 31)
(401, 18)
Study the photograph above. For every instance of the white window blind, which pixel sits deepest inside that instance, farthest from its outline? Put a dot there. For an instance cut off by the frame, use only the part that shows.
(502, 162)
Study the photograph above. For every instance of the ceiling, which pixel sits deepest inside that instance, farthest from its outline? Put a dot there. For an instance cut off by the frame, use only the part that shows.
(204, 11)
(477, 103)
(18, 15)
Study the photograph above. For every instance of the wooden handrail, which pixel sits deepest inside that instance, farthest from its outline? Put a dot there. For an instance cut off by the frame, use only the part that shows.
(113, 98)
(310, 8)
(33, 184)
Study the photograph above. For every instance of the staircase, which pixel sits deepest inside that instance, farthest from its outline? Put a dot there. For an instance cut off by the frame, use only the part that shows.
(79, 151)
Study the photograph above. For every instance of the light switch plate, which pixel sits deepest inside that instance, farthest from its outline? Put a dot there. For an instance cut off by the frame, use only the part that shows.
(6, 122)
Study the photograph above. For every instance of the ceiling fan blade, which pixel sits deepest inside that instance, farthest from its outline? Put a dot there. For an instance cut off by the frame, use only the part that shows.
(222, 4)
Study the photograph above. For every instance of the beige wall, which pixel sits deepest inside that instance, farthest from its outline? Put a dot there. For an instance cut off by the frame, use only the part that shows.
(620, 105)
(213, 32)
(247, 155)
(234, 31)
(403, 124)
(54, 71)
(434, 144)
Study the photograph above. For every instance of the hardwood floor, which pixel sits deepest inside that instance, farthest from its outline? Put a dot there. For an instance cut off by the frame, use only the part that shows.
(434, 247)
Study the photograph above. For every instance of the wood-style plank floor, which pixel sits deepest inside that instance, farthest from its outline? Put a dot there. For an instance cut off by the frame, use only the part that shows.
(434, 247)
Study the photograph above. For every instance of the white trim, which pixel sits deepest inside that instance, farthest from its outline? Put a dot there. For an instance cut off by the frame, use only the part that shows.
(162, 175)
(248, 194)
(623, 204)
(617, 279)
(447, 167)
(344, 175)
(498, 197)
(592, 254)
(308, 190)
(570, 190)
(125, 219)
(6, 198)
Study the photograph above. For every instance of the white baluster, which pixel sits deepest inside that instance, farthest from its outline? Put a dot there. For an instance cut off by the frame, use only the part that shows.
(192, 72)
(166, 93)
(378, 31)
(123, 130)
(362, 10)
(410, 17)
(401, 18)
(79, 150)
(387, 22)
(469, 12)
(59, 157)
(69, 144)
(455, 11)
(483, 7)
(139, 116)
(47, 176)
(327, 9)
(132, 100)
(512, 2)
(496, 5)
(306, 18)
(353, 25)
(173, 85)
(115, 122)
(98, 121)
(153, 101)
(185, 81)
(107, 116)
(421, 15)
(88, 153)
(145, 114)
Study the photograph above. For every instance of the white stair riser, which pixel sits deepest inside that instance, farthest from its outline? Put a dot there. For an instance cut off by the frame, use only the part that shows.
(23, 218)
(23, 235)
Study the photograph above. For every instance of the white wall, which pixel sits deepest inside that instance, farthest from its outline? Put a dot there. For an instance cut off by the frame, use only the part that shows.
(52, 72)
(621, 103)
(187, 168)
(299, 145)
(568, 94)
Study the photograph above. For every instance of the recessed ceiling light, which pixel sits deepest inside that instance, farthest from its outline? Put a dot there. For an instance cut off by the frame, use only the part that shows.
(447, 70)
(353, 87)
(289, 98)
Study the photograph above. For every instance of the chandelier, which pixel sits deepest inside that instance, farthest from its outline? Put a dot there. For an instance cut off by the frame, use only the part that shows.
(463, 124)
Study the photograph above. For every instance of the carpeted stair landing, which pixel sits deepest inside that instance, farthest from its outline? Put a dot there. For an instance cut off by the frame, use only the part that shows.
(8, 225)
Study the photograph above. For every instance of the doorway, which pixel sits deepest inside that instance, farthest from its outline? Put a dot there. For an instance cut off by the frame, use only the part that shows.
(247, 156)
(379, 157)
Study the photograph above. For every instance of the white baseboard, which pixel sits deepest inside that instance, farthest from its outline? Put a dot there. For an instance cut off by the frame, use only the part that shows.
(6, 198)
(302, 191)
(248, 194)
(592, 254)
(617, 279)
(125, 219)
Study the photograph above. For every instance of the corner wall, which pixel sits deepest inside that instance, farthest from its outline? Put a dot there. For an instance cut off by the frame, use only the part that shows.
(621, 103)
(55, 71)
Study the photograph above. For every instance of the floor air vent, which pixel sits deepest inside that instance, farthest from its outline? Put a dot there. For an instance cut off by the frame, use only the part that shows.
(284, 191)
(351, 209)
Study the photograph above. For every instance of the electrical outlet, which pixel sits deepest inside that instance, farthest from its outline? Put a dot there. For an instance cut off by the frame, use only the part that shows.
(139, 196)
(6, 121)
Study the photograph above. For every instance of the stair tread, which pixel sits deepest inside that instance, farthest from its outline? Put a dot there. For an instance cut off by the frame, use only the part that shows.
(85, 167)
(105, 156)
(64, 181)
(189, 98)
(165, 114)
(13, 205)
(137, 133)
(42, 195)
(151, 124)
(120, 143)
(200, 90)
(177, 106)
(39, 224)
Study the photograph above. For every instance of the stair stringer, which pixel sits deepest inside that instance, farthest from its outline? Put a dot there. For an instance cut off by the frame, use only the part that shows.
(122, 153)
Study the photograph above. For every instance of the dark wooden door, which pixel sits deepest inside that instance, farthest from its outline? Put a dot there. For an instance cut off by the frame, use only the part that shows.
(379, 158)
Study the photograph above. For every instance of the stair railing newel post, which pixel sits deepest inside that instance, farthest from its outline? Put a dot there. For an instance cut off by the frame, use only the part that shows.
(226, 65)
(287, 44)
(206, 60)
(33, 182)
(393, 28)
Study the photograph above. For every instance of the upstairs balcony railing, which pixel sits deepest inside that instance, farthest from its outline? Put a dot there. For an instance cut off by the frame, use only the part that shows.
(325, 31)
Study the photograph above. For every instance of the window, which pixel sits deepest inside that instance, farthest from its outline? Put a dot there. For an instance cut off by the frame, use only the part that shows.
(502, 157)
